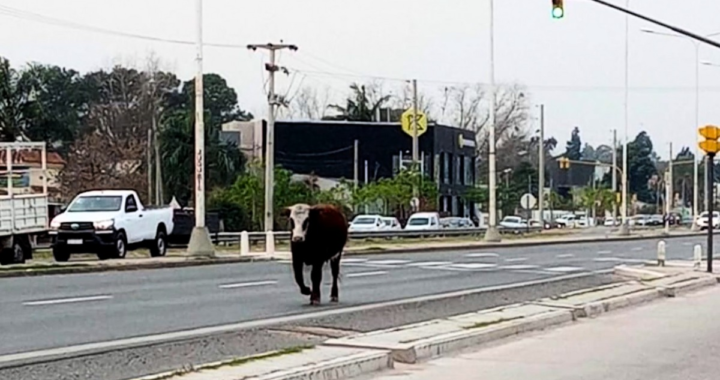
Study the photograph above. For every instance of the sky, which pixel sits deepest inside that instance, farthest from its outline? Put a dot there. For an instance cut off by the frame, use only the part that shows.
(574, 66)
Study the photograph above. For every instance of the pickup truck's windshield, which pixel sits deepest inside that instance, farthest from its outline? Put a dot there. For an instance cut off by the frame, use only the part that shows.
(98, 203)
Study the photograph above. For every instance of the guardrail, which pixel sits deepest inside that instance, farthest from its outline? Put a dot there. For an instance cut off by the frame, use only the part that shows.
(233, 238)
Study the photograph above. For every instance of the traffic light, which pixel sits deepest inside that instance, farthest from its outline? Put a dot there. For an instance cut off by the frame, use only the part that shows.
(710, 145)
(558, 10)
(564, 163)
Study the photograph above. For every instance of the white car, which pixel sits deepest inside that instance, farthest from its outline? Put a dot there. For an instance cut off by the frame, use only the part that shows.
(513, 222)
(366, 223)
(423, 221)
(611, 222)
(391, 224)
(109, 223)
(566, 221)
(702, 220)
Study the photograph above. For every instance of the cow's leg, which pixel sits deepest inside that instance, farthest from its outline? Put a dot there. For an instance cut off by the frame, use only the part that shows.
(299, 278)
(335, 267)
(316, 277)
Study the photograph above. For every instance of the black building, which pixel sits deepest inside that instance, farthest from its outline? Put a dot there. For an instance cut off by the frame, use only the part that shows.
(326, 148)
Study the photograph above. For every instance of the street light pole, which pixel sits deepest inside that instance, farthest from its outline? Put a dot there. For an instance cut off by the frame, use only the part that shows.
(624, 228)
(492, 234)
(541, 167)
(200, 243)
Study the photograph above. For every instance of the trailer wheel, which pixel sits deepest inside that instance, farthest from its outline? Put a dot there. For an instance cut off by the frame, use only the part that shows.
(14, 255)
(61, 255)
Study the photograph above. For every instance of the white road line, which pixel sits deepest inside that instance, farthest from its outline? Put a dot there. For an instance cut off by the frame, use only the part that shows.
(519, 267)
(565, 256)
(604, 252)
(479, 255)
(687, 243)
(473, 266)
(564, 269)
(67, 300)
(388, 262)
(516, 259)
(608, 259)
(246, 284)
(638, 249)
(429, 263)
(353, 260)
(366, 274)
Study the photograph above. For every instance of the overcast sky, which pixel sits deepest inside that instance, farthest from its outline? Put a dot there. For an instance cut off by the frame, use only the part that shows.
(574, 66)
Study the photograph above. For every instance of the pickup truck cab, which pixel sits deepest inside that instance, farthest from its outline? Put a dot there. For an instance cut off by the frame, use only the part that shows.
(108, 223)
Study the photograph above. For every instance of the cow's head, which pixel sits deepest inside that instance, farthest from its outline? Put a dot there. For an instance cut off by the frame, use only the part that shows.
(299, 215)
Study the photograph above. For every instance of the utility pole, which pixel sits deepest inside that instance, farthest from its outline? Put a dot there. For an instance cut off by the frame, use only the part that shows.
(200, 243)
(415, 144)
(149, 168)
(492, 234)
(624, 227)
(669, 193)
(614, 174)
(270, 131)
(541, 168)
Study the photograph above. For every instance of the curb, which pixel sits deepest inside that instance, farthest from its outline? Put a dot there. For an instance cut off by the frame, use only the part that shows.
(54, 269)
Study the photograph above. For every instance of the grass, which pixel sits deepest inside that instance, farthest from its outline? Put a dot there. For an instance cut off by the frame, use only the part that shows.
(234, 362)
(481, 325)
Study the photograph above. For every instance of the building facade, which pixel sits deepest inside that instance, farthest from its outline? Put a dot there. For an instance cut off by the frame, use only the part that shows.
(327, 148)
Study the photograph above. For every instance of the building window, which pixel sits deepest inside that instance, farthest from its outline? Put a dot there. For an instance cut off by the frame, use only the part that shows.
(467, 171)
(446, 168)
(457, 163)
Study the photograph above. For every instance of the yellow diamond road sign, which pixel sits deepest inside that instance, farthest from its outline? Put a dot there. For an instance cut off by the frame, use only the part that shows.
(406, 121)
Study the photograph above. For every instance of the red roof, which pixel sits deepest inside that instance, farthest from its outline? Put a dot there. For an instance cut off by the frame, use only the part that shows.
(31, 157)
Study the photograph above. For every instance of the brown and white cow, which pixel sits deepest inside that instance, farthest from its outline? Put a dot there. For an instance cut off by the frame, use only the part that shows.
(318, 234)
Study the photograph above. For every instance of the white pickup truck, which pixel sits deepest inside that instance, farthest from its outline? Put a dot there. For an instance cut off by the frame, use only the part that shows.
(109, 223)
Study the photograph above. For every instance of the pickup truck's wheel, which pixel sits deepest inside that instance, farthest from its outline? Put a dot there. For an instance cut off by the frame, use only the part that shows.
(61, 255)
(158, 248)
(118, 250)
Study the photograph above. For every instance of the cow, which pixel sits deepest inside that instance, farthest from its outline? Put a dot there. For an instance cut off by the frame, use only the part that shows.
(318, 234)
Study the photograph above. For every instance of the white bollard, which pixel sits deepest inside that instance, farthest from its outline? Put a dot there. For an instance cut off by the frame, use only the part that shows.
(269, 243)
(661, 253)
(244, 243)
(697, 256)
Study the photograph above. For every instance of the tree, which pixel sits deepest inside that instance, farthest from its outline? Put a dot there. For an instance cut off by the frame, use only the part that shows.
(359, 106)
(396, 193)
(17, 102)
(97, 161)
(220, 103)
(573, 148)
(588, 153)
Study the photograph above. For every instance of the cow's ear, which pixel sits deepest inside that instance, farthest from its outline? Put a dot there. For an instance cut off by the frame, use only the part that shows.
(285, 213)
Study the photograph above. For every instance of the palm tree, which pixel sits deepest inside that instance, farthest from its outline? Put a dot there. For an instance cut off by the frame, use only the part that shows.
(359, 107)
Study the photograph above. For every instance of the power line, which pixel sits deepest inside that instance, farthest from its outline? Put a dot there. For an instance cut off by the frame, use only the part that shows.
(36, 17)
(328, 153)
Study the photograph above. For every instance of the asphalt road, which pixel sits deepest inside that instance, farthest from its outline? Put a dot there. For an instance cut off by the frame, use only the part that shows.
(673, 339)
(63, 310)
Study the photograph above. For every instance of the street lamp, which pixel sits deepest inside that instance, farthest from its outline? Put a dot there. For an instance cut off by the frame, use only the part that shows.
(492, 234)
(697, 108)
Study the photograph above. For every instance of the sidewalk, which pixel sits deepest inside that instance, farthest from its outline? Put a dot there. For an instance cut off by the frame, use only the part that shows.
(673, 339)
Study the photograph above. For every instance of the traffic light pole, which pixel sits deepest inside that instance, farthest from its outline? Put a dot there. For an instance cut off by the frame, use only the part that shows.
(710, 170)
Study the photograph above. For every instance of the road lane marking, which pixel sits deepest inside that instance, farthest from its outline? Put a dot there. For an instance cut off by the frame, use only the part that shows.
(388, 262)
(608, 259)
(481, 255)
(565, 256)
(353, 260)
(604, 252)
(638, 249)
(366, 274)
(520, 267)
(516, 259)
(429, 263)
(110, 345)
(473, 266)
(67, 300)
(246, 284)
(564, 269)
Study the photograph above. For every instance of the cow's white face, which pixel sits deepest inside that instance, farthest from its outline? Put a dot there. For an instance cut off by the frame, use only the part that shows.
(299, 220)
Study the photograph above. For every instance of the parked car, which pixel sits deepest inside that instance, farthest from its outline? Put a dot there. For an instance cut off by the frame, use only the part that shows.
(390, 223)
(366, 223)
(108, 223)
(639, 220)
(566, 221)
(702, 220)
(655, 220)
(513, 222)
(611, 222)
(423, 221)
(456, 223)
